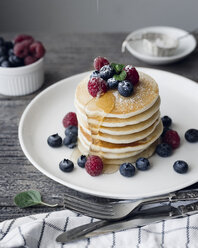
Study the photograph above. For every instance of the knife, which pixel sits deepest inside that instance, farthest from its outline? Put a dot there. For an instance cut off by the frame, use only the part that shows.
(136, 219)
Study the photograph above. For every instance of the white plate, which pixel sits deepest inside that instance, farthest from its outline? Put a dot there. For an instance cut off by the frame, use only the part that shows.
(186, 45)
(43, 117)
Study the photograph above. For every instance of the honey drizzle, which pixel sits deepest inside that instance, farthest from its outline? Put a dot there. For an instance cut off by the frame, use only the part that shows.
(104, 105)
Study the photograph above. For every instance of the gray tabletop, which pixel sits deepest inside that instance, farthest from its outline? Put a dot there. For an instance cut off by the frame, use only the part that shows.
(67, 54)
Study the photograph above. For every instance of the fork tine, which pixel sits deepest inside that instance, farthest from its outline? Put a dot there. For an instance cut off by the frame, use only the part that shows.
(98, 201)
(83, 207)
(86, 207)
(88, 212)
(87, 203)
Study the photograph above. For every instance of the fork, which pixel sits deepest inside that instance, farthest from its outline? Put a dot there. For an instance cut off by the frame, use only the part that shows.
(114, 210)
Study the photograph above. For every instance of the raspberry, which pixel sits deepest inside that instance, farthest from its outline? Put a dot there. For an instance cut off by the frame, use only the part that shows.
(94, 165)
(99, 62)
(132, 74)
(70, 119)
(21, 49)
(29, 60)
(27, 43)
(23, 37)
(97, 86)
(37, 49)
(172, 138)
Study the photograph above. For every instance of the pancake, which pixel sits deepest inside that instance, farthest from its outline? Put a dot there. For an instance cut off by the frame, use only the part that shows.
(122, 139)
(120, 158)
(99, 145)
(147, 153)
(129, 129)
(107, 155)
(120, 122)
(144, 96)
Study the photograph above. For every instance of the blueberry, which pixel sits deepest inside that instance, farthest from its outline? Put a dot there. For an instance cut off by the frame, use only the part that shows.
(66, 165)
(125, 88)
(8, 45)
(167, 121)
(180, 166)
(15, 61)
(81, 161)
(106, 72)
(127, 170)
(3, 58)
(71, 130)
(11, 58)
(72, 145)
(112, 83)
(191, 135)
(54, 140)
(164, 131)
(70, 141)
(5, 63)
(95, 74)
(164, 150)
(10, 52)
(3, 51)
(1, 41)
(142, 164)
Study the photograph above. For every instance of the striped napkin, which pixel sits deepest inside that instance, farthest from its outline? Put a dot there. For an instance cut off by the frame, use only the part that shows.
(41, 230)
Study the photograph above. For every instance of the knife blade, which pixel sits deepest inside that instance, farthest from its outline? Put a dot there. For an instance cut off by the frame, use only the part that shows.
(136, 219)
(124, 225)
(128, 224)
(147, 219)
(81, 231)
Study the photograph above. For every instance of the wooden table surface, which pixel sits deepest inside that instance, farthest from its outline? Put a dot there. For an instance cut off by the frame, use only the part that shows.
(67, 54)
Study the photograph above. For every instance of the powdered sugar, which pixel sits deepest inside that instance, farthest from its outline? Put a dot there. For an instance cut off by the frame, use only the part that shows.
(145, 93)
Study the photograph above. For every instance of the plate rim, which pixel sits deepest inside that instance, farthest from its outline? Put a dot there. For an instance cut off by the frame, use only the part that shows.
(68, 184)
(153, 59)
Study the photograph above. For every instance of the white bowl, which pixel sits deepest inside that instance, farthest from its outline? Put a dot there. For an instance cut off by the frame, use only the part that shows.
(186, 45)
(18, 81)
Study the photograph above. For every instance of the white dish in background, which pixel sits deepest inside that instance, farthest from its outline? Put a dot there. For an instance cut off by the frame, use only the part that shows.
(23, 80)
(43, 117)
(186, 45)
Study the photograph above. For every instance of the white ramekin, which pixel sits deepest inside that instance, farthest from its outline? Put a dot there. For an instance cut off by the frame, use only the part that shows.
(18, 81)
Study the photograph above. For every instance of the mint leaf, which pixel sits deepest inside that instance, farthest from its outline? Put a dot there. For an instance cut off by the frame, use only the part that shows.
(29, 198)
(121, 76)
(117, 67)
(113, 65)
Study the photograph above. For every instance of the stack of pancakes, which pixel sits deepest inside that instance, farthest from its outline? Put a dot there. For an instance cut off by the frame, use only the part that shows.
(119, 129)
